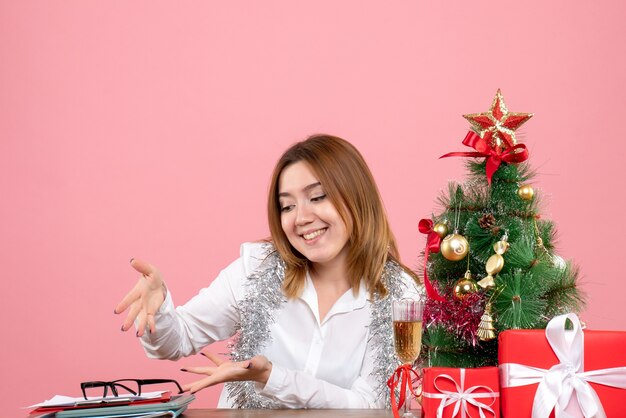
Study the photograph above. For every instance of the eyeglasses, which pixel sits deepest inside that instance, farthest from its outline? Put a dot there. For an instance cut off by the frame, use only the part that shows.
(125, 386)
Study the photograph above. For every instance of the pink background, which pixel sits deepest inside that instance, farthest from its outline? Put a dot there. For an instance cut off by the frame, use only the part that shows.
(149, 129)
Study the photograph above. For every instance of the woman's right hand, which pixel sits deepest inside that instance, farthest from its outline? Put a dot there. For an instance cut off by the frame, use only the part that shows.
(144, 300)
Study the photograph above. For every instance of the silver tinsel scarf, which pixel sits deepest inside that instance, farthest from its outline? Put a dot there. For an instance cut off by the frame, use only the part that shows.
(256, 314)
(381, 331)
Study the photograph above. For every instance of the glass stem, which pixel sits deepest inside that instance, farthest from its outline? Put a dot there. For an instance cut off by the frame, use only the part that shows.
(407, 400)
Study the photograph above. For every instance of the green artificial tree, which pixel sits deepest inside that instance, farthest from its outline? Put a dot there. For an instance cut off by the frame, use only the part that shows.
(490, 263)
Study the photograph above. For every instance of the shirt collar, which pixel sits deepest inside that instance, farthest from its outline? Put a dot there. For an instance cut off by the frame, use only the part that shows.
(346, 302)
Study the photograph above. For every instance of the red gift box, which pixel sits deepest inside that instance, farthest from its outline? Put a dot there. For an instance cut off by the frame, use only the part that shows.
(452, 392)
(561, 367)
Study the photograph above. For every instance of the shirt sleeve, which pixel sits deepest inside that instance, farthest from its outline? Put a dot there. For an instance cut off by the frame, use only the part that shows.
(209, 316)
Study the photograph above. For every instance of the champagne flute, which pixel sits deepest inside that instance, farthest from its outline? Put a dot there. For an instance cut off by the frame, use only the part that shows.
(407, 336)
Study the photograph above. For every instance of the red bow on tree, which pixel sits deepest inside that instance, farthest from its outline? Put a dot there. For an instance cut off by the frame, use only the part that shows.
(433, 241)
(495, 156)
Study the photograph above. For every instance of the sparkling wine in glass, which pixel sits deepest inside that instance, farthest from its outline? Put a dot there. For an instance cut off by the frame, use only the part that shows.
(407, 336)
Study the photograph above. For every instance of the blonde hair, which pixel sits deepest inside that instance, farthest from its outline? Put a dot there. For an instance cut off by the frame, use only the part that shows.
(350, 187)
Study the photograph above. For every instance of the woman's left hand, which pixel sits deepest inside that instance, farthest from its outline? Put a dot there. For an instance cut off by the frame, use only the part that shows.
(258, 369)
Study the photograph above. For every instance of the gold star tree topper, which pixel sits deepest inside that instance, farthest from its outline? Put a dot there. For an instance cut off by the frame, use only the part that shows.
(498, 125)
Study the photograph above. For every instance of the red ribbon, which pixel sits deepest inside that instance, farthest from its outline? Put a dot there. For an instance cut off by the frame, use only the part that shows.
(495, 156)
(433, 241)
(402, 375)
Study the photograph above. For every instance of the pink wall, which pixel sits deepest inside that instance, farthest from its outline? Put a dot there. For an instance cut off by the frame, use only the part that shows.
(148, 129)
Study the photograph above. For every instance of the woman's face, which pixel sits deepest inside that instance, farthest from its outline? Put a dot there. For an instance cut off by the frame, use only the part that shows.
(311, 222)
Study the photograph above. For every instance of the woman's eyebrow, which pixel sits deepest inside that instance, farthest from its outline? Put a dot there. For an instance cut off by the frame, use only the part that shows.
(306, 189)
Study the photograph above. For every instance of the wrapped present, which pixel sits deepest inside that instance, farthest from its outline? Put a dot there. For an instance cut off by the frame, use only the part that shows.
(449, 392)
(562, 373)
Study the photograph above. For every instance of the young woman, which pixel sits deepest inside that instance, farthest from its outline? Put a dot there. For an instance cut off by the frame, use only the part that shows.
(310, 308)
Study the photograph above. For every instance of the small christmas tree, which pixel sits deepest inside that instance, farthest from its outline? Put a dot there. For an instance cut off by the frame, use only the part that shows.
(489, 263)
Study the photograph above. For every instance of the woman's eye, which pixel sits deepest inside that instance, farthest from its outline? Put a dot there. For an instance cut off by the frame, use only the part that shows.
(318, 198)
(286, 208)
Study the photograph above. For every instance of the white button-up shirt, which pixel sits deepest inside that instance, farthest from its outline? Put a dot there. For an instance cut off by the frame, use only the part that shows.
(315, 364)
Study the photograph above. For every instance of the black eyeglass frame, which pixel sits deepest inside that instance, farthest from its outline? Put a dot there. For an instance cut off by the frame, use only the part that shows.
(118, 383)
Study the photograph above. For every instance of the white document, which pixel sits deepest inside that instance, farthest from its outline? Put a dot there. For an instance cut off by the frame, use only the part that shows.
(61, 400)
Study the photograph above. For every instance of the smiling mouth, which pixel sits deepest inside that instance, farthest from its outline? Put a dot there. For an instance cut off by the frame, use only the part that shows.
(314, 234)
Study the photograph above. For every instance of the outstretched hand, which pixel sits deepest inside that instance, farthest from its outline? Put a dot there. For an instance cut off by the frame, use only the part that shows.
(257, 369)
(144, 300)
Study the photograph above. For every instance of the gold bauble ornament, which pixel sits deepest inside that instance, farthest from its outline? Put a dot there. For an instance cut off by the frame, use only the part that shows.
(441, 229)
(526, 192)
(454, 247)
(465, 286)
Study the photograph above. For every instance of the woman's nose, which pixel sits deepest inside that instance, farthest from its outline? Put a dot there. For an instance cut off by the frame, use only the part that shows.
(303, 214)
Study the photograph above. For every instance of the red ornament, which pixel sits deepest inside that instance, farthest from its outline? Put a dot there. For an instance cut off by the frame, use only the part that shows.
(497, 126)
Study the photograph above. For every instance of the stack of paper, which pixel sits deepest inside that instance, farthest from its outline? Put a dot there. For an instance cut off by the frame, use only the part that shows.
(148, 405)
